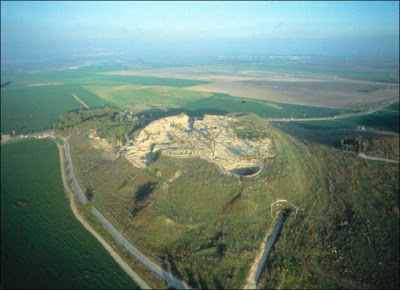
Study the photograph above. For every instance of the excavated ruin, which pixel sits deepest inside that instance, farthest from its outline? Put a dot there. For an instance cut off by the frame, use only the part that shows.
(211, 138)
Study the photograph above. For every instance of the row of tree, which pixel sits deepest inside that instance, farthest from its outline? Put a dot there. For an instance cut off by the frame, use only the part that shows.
(110, 123)
(357, 144)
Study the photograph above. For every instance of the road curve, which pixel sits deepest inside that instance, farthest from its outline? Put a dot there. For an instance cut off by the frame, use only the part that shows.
(337, 117)
(134, 276)
(166, 276)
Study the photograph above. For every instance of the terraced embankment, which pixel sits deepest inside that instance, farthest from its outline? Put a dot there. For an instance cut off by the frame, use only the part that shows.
(266, 246)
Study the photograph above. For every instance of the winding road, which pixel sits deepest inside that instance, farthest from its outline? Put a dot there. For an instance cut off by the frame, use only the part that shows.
(337, 117)
(134, 276)
(171, 280)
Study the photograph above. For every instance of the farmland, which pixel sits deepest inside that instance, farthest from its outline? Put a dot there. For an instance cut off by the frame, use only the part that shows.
(34, 108)
(386, 119)
(197, 102)
(93, 76)
(139, 98)
(27, 109)
(43, 245)
(226, 104)
(35, 101)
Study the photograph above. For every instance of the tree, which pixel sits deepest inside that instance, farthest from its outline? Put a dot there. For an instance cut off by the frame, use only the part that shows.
(89, 193)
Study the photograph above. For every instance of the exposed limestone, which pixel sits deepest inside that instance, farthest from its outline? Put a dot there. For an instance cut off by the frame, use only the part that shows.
(211, 138)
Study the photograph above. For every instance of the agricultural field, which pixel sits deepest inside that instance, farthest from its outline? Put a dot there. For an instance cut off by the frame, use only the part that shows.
(295, 85)
(386, 119)
(304, 69)
(93, 76)
(138, 98)
(34, 101)
(226, 104)
(27, 109)
(43, 245)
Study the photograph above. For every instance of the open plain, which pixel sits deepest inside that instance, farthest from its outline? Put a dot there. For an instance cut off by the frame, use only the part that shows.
(288, 87)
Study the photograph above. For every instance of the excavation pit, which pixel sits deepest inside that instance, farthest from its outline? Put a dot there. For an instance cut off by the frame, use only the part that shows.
(246, 171)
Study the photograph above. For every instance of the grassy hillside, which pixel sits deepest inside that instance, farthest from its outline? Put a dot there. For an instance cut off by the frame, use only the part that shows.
(349, 238)
(206, 227)
(203, 226)
(42, 244)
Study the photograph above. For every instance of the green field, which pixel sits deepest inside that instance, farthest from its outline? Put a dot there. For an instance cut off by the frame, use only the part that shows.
(27, 108)
(293, 68)
(223, 104)
(43, 245)
(197, 102)
(94, 76)
(147, 97)
(386, 119)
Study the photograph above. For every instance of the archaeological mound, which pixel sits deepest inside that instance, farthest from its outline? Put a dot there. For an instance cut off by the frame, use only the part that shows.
(211, 137)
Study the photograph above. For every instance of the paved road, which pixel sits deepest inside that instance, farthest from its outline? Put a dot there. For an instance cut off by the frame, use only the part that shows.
(166, 276)
(31, 135)
(134, 276)
(71, 173)
(344, 116)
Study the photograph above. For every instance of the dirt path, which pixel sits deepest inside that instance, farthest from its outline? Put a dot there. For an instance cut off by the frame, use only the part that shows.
(362, 155)
(135, 277)
(80, 101)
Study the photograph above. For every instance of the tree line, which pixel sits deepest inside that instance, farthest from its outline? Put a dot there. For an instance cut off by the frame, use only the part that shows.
(357, 144)
(110, 123)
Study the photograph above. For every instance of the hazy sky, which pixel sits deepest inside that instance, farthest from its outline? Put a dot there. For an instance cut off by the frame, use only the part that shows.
(33, 29)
